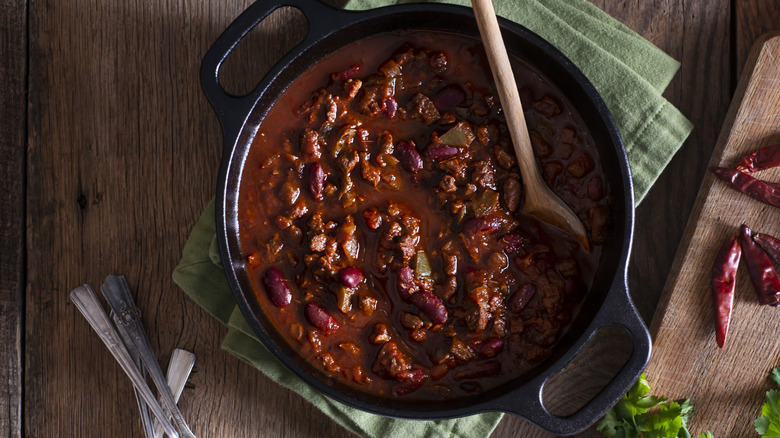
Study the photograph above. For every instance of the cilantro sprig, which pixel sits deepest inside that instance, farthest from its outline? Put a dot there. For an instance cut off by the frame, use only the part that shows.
(768, 424)
(638, 415)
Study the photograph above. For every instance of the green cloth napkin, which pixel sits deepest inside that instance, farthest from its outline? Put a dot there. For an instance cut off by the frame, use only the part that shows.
(628, 71)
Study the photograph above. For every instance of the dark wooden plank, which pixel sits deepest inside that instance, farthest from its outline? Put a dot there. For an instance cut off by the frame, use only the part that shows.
(753, 19)
(696, 33)
(123, 156)
(13, 73)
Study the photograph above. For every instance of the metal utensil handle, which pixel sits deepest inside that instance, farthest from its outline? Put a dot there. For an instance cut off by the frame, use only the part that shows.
(147, 421)
(231, 109)
(86, 301)
(117, 293)
(179, 369)
(617, 310)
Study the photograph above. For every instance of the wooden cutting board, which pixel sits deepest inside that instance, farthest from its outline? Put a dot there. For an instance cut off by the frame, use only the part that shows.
(726, 386)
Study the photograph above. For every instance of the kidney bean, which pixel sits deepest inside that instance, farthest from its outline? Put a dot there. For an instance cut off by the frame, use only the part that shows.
(319, 318)
(391, 106)
(350, 276)
(521, 298)
(482, 224)
(414, 378)
(441, 152)
(277, 289)
(512, 193)
(405, 282)
(410, 158)
(431, 305)
(349, 73)
(511, 242)
(490, 347)
(316, 180)
(449, 96)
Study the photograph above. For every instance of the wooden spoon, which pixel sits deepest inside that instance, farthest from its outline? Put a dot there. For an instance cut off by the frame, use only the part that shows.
(540, 201)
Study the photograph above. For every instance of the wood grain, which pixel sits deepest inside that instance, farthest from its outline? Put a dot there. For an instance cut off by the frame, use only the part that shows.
(753, 19)
(726, 386)
(123, 154)
(13, 74)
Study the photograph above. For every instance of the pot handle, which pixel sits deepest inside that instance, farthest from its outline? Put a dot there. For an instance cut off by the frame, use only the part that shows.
(232, 110)
(618, 310)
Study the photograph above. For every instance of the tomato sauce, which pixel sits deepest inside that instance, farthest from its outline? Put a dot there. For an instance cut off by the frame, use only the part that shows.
(380, 216)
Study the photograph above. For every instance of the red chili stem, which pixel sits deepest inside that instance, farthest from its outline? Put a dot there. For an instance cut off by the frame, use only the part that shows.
(762, 273)
(761, 190)
(724, 279)
(761, 159)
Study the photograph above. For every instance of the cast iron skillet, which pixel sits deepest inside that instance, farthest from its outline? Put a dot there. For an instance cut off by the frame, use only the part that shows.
(607, 304)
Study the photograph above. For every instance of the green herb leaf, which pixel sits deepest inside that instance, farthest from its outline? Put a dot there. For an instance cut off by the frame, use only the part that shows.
(638, 415)
(667, 422)
(768, 424)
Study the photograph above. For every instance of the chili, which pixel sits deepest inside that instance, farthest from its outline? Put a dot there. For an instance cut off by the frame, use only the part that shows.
(762, 273)
(379, 207)
(770, 244)
(755, 188)
(724, 279)
(764, 158)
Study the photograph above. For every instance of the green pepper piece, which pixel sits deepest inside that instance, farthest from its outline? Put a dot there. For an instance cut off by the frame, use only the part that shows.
(346, 137)
(344, 296)
(422, 266)
(485, 203)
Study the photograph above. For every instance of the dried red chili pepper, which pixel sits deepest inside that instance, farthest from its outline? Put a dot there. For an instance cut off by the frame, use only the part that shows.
(755, 188)
(770, 244)
(761, 159)
(762, 273)
(724, 278)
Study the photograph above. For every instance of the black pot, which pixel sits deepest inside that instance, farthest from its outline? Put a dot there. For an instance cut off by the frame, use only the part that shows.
(607, 304)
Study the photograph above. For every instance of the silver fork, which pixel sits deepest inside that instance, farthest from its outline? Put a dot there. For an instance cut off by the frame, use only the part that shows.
(87, 302)
(117, 293)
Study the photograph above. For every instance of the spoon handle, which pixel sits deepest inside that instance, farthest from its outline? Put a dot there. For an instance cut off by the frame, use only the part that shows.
(179, 369)
(86, 301)
(117, 293)
(506, 85)
(540, 200)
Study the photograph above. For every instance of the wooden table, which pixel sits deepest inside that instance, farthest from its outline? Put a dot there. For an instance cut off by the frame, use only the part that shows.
(109, 152)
